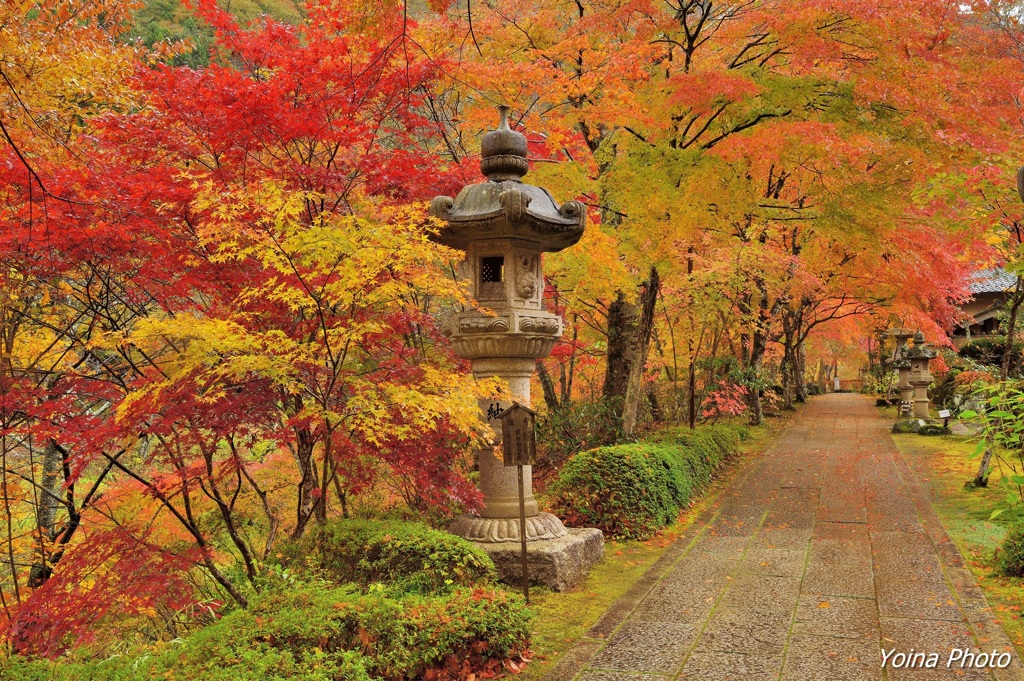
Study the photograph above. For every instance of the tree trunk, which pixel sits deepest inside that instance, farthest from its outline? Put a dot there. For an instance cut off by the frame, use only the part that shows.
(652, 399)
(692, 387)
(50, 499)
(800, 369)
(634, 385)
(1011, 328)
(309, 488)
(981, 479)
(786, 371)
(548, 386)
(792, 320)
(46, 518)
(565, 377)
(623, 338)
(758, 345)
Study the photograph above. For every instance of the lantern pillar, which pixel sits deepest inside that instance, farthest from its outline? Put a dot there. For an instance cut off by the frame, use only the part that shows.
(920, 377)
(901, 362)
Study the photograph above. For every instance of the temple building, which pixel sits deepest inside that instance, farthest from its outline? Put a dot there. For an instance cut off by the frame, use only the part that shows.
(989, 290)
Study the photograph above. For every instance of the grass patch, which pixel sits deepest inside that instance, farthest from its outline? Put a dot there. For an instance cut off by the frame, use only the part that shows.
(942, 466)
(561, 619)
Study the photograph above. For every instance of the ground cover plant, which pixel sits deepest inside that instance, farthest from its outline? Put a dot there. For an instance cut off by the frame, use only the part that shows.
(403, 554)
(352, 600)
(944, 465)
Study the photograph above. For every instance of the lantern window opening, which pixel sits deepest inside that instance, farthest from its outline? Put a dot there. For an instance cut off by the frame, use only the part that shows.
(492, 270)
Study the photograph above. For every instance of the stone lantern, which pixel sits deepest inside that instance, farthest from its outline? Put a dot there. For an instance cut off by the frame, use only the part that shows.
(901, 363)
(920, 377)
(504, 225)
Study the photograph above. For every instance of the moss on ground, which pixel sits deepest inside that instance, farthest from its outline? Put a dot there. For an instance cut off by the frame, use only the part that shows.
(561, 619)
(943, 467)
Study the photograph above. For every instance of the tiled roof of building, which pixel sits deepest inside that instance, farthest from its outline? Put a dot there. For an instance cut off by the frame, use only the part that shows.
(992, 280)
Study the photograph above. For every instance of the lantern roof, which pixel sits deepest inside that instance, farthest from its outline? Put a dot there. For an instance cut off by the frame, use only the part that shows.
(504, 206)
(921, 350)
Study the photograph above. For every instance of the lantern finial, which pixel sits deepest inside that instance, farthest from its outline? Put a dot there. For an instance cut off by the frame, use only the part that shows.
(503, 152)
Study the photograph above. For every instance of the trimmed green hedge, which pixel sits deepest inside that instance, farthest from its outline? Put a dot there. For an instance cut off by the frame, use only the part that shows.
(407, 556)
(319, 634)
(633, 490)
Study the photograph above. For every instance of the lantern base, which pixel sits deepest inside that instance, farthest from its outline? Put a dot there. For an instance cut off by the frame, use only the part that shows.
(540, 527)
(920, 426)
(558, 564)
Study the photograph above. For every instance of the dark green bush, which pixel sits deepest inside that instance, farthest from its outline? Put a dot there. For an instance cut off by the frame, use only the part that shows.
(331, 634)
(632, 490)
(1011, 556)
(625, 490)
(405, 555)
(989, 351)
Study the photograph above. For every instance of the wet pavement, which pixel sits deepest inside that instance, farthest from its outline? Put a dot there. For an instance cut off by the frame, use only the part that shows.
(820, 557)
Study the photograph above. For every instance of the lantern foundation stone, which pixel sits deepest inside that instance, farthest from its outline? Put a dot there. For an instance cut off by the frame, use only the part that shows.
(504, 225)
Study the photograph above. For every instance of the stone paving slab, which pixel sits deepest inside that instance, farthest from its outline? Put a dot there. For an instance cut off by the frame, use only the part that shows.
(719, 666)
(839, 579)
(817, 658)
(654, 647)
(819, 555)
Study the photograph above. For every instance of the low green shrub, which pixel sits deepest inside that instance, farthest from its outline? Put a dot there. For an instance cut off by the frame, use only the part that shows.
(632, 490)
(1011, 555)
(625, 490)
(408, 556)
(989, 351)
(331, 634)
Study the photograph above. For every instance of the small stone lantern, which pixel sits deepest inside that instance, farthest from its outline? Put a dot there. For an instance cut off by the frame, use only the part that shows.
(920, 377)
(504, 225)
(901, 363)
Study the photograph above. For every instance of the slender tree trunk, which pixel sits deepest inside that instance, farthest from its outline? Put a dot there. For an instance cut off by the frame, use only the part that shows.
(652, 399)
(981, 479)
(308, 485)
(786, 373)
(565, 378)
(800, 377)
(46, 517)
(758, 345)
(634, 386)
(1011, 327)
(548, 386)
(692, 403)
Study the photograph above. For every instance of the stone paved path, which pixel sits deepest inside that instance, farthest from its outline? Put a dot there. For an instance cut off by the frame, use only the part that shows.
(819, 555)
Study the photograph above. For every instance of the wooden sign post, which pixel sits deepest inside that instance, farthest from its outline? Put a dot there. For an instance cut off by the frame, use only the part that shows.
(519, 448)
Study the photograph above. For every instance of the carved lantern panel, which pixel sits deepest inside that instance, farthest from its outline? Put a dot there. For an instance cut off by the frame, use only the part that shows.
(506, 272)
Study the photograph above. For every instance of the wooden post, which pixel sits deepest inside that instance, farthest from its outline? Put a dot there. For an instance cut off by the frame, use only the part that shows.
(522, 537)
(519, 448)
